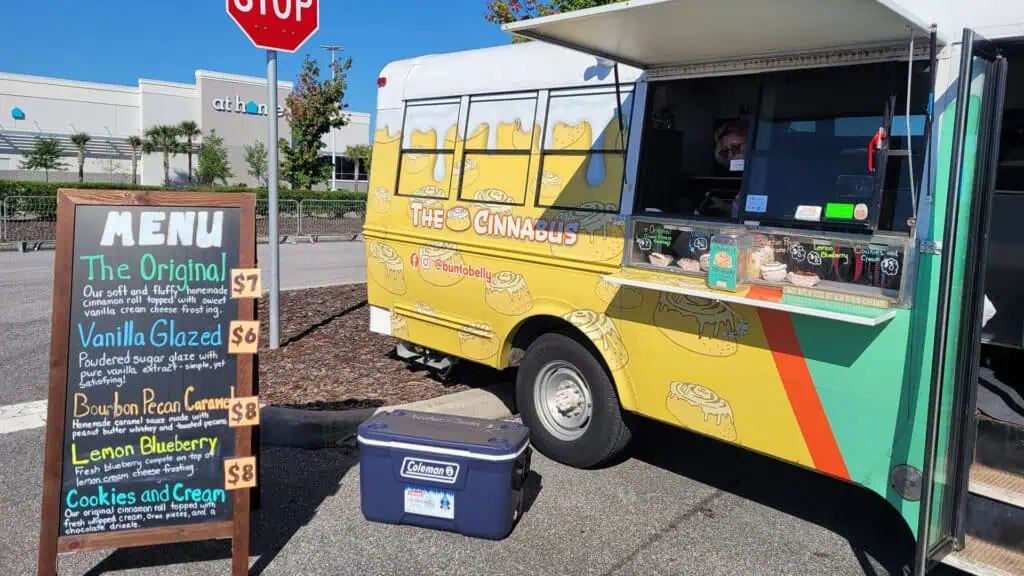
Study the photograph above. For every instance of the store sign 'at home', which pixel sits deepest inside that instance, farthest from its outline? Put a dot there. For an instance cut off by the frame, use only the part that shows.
(243, 107)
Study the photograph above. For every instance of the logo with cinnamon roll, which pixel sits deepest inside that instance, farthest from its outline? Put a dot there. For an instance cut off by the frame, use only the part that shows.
(437, 261)
(702, 410)
(508, 294)
(385, 267)
(601, 331)
(457, 219)
(700, 325)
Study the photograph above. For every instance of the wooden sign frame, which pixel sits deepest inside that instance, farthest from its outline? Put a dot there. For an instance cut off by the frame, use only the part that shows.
(50, 544)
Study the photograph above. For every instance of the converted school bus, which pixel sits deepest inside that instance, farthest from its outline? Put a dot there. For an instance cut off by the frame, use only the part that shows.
(781, 239)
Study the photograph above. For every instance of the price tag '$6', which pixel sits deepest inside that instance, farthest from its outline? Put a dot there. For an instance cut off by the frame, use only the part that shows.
(243, 337)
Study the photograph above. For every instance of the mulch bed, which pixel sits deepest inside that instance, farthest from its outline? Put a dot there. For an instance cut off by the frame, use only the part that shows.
(329, 359)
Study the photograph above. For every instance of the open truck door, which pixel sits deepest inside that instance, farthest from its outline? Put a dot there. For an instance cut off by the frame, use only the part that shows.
(949, 445)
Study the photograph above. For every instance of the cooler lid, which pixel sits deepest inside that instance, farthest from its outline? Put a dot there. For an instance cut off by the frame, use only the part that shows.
(476, 436)
(653, 33)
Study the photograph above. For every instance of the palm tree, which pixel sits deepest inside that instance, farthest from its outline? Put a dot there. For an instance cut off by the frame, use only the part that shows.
(135, 142)
(189, 130)
(163, 138)
(80, 140)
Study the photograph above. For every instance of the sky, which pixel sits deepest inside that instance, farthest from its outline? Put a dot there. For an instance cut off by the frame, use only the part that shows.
(120, 41)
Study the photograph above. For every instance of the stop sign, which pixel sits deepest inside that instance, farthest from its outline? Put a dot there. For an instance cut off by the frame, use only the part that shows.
(276, 24)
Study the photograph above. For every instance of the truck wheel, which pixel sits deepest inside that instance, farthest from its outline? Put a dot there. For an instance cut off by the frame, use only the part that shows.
(569, 403)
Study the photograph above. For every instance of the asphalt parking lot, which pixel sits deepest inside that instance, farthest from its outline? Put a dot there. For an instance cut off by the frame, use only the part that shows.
(677, 504)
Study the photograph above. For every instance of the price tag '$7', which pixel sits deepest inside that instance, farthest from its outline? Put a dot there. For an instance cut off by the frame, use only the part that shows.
(246, 283)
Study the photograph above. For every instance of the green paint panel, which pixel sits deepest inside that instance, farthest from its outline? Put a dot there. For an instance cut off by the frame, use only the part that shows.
(830, 306)
(858, 372)
(839, 211)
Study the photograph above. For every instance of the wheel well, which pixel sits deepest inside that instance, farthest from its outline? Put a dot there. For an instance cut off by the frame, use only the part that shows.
(535, 327)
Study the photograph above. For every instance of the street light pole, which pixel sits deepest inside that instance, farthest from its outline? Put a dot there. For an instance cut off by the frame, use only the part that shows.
(333, 48)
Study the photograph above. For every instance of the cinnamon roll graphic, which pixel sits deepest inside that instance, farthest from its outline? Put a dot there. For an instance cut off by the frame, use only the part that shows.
(702, 410)
(385, 267)
(437, 256)
(625, 297)
(697, 324)
(475, 346)
(508, 294)
(381, 200)
(601, 331)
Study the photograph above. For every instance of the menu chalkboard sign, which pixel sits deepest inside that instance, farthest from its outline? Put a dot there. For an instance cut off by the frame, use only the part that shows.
(141, 374)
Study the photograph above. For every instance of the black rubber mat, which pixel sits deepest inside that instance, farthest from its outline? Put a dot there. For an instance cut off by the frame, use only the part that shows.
(999, 400)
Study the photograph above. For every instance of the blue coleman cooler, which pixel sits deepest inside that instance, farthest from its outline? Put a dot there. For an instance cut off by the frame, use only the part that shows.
(441, 471)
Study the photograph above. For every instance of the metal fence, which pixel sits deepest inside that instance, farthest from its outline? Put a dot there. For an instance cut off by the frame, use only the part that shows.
(287, 219)
(33, 219)
(28, 219)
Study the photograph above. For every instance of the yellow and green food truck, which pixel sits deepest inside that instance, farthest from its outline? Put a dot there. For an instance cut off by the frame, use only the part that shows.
(764, 222)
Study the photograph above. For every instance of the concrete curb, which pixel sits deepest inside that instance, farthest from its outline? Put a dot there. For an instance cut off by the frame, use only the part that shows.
(312, 429)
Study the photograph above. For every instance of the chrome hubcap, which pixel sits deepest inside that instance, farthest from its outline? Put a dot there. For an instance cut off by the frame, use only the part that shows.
(563, 401)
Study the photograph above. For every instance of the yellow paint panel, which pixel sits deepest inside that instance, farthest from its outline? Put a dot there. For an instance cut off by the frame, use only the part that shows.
(705, 365)
(565, 182)
(504, 173)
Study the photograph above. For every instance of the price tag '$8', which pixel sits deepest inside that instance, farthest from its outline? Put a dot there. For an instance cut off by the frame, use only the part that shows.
(239, 473)
(244, 411)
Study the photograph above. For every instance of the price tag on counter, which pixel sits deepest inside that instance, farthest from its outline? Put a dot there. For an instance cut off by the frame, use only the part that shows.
(246, 283)
(240, 473)
(244, 411)
(243, 337)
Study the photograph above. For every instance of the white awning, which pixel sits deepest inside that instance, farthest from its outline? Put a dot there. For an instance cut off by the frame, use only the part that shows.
(655, 33)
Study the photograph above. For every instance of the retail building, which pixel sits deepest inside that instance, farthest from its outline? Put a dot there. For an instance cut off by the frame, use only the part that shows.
(233, 106)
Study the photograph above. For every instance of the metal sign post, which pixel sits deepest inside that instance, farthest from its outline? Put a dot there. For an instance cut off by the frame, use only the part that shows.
(274, 241)
(278, 25)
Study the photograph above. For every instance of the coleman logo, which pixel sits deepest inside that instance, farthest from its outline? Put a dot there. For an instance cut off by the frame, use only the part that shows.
(433, 470)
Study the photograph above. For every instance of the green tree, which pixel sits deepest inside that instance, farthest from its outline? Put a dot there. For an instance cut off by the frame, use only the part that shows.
(80, 141)
(213, 161)
(189, 130)
(361, 153)
(504, 11)
(45, 155)
(255, 156)
(163, 138)
(313, 108)
(135, 142)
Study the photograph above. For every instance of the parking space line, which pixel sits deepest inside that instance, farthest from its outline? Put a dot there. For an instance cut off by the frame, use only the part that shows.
(24, 416)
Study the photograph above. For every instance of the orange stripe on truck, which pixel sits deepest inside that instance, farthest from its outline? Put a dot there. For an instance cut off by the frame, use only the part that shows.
(803, 396)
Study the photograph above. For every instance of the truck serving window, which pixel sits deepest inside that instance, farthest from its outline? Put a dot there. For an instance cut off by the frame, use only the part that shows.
(694, 144)
(583, 149)
(786, 149)
(829, 148)
(500, 135)
(428, 149)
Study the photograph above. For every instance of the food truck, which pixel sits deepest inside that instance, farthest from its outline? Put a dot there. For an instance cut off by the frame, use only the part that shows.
(765, 222)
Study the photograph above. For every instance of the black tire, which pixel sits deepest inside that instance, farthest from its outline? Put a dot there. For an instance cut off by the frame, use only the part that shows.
(604, 437)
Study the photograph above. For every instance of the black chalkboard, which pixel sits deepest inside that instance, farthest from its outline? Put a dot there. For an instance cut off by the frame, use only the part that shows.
(148, 373)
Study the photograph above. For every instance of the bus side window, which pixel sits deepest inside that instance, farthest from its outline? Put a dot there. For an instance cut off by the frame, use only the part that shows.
(583, 151)
(500, 135)
(428, 149)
